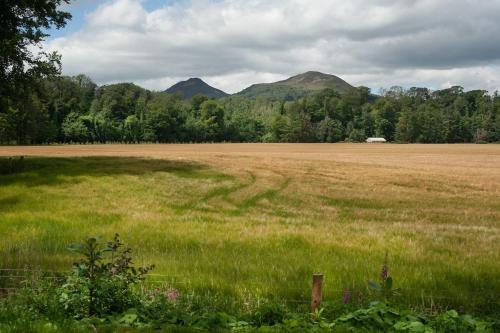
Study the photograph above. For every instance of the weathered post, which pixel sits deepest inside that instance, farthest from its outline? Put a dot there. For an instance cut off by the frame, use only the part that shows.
(317, 291)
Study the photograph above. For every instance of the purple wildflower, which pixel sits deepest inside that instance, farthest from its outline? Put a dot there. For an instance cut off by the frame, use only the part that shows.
(385, 270)
(384, 273)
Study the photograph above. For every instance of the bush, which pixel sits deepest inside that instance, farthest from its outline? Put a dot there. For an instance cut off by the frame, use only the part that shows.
(101, 282)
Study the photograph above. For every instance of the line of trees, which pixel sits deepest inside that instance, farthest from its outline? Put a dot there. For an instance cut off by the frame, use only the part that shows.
(75, 109)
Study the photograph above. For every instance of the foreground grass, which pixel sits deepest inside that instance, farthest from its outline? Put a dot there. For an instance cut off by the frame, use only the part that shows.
(239, 229)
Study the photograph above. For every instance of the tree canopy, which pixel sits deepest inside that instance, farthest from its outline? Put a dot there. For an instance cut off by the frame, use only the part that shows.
(23, 27)
(74, 109)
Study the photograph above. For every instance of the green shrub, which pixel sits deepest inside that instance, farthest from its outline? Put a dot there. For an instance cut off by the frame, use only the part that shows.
(101, 282)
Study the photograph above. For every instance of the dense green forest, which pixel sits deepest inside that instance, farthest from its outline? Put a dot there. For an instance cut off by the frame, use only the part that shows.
(75, 109)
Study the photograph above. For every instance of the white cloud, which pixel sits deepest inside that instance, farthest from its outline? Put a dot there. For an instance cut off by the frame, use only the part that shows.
(119, 14)
(234, 43)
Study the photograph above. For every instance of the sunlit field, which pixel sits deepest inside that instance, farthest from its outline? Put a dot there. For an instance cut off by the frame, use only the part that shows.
(240, 221)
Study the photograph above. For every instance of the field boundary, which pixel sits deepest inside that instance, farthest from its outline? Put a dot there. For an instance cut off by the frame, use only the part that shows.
(24, 278)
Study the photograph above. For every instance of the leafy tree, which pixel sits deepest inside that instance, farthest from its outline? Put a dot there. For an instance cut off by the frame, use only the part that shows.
(7, 134)
(212, 120)
(432, 124)
(245, 127)
(63, 95)
(300, 128)
(24, 25)
(104, 129)
(356, 135)
(74, 128)
(367, 120)
(132, 129)
(385, 114)
(405, 128)
(278, 130)
(329, 130)
(196, 102)
(28, 122)
(118, 101)
(163, 118)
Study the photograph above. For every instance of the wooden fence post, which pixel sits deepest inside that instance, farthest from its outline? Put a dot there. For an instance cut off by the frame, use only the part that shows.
(317, 291)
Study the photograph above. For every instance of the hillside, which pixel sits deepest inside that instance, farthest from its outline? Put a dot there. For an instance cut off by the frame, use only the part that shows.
(297, 86)
(195, 86)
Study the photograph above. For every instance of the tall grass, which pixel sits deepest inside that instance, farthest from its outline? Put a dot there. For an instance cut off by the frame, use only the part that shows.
(237, 230)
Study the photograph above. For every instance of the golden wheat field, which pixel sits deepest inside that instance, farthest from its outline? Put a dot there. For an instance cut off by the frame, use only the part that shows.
(239, 220)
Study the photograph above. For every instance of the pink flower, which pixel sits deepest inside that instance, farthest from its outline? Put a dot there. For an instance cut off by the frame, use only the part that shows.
(173, 295)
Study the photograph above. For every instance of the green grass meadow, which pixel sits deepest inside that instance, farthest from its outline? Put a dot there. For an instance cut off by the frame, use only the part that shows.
(237, 236)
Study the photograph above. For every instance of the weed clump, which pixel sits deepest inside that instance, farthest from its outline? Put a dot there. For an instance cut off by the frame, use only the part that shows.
(101, 282)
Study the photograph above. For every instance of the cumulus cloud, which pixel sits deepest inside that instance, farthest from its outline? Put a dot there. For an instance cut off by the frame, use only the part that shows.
(234, 43)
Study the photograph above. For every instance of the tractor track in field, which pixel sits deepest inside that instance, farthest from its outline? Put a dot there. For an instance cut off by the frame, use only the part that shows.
(226, 194)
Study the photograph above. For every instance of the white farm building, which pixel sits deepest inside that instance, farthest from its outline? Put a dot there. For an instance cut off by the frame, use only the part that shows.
(376, 140)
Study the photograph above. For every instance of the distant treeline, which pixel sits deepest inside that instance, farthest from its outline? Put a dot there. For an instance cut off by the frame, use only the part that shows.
(74, 109)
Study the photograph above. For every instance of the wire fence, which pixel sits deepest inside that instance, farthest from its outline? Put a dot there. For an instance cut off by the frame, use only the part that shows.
(15, 279)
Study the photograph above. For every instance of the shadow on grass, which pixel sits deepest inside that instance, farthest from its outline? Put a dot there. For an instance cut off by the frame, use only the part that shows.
(38, 171)
(8, 202)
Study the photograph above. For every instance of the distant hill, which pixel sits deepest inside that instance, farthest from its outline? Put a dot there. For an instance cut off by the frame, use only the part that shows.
(195, 86)
(297, 86)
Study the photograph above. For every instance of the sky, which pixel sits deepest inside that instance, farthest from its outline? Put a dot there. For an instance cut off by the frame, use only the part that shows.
(232, 44)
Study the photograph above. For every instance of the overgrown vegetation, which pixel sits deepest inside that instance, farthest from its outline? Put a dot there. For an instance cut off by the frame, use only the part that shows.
(222, 230)
(100, 294)
(100, 285)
